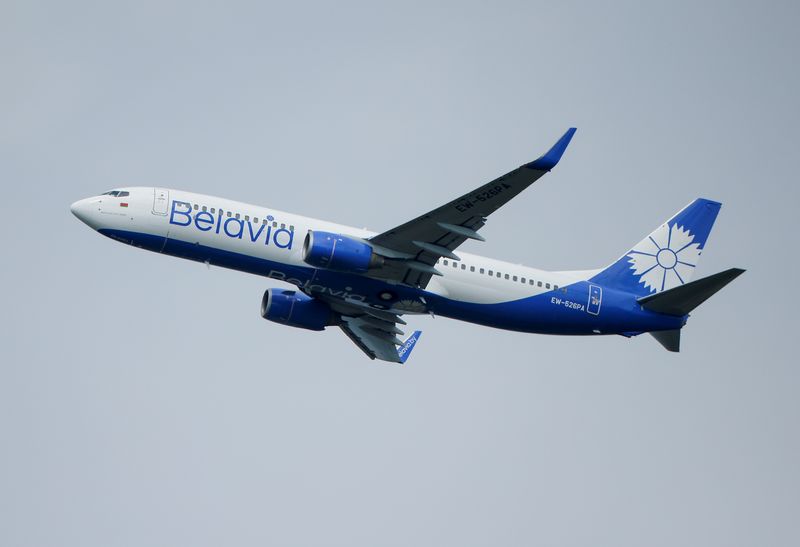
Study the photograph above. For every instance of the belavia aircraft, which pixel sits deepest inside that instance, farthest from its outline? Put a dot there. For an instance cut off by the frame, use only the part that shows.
(363, 282)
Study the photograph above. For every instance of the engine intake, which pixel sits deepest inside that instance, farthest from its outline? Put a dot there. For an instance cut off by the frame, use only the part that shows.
(295, 309)
(338, 252)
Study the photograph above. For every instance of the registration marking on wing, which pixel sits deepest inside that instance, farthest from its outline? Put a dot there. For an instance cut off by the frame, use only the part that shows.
(481, 197)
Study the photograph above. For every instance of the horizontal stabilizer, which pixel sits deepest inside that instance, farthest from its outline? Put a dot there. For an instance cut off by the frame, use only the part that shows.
(670, 339)
(683, 299)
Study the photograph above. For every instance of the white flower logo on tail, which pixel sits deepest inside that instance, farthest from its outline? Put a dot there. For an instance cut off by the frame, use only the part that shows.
(666, 258)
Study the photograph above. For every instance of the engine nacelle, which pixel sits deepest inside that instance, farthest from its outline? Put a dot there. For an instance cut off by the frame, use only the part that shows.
(338, 252)
(295, 309)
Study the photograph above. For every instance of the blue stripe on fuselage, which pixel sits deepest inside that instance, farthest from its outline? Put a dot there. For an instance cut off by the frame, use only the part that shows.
(553, 312)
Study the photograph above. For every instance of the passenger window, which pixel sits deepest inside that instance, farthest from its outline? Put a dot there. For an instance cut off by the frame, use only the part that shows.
(547, 285)
(455, 265)
(213, 210)
(237, 215)
(283, 226)
(444, 262)
(229, 214)
(204, 208)
(472, 268)
(196, 207)
(555, 287)
(540, 283)
(274, 224)
(247, 218)
(491, 272)
(263, 221)
(531, 281)
(514, 278)
(499, 274)
(481, 271)
(522, 279)
(463, 266)
(291, 228)
(506, 276)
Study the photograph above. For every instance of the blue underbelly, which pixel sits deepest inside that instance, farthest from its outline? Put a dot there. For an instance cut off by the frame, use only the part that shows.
(553, 312)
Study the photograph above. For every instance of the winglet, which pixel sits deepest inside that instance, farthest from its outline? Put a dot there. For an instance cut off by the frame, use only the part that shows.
(404, 351)
(550, 159)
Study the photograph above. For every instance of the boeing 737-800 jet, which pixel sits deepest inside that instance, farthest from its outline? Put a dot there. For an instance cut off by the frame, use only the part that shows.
(363, 282)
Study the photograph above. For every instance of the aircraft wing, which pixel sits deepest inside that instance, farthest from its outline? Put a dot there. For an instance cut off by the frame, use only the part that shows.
(376, 342)
(375, 332)
(414, 248)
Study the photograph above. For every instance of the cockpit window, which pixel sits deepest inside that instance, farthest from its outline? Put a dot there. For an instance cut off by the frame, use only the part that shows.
(116, 193)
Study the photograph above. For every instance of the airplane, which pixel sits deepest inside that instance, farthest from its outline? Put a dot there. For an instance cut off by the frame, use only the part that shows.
(364, 282)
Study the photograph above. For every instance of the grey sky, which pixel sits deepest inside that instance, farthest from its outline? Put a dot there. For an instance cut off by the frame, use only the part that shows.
(143, 401)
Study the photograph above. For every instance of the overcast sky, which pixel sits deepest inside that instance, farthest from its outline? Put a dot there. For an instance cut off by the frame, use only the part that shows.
(143, 401)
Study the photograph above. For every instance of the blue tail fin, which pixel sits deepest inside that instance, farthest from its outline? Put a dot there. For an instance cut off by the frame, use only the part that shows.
(668, 256)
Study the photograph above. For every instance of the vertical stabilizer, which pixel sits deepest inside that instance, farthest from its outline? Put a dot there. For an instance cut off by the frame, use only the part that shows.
(666, 258)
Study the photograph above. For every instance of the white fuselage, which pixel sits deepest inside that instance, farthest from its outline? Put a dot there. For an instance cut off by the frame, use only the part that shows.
(277, 236)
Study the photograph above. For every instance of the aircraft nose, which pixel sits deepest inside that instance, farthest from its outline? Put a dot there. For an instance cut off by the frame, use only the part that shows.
(78, 209)
(83, 210)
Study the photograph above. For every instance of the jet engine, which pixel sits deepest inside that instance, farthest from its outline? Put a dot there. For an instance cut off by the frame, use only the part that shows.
(339, 252)
(295, 309)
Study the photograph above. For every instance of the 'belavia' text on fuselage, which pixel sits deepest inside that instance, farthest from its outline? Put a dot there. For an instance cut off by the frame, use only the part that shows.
(231, 226)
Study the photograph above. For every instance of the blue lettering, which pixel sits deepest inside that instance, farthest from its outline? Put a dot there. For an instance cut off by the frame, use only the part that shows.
(206, 219)
(235, 221)
(254, 237)
(175, 212)
(181, 215)
(288, 244)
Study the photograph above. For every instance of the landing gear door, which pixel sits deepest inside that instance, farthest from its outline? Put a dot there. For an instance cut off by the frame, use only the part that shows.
(160, 201)
(595, 299)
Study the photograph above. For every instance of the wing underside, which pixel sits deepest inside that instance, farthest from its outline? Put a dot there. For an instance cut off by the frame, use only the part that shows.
(377, 338)
(375, 332)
